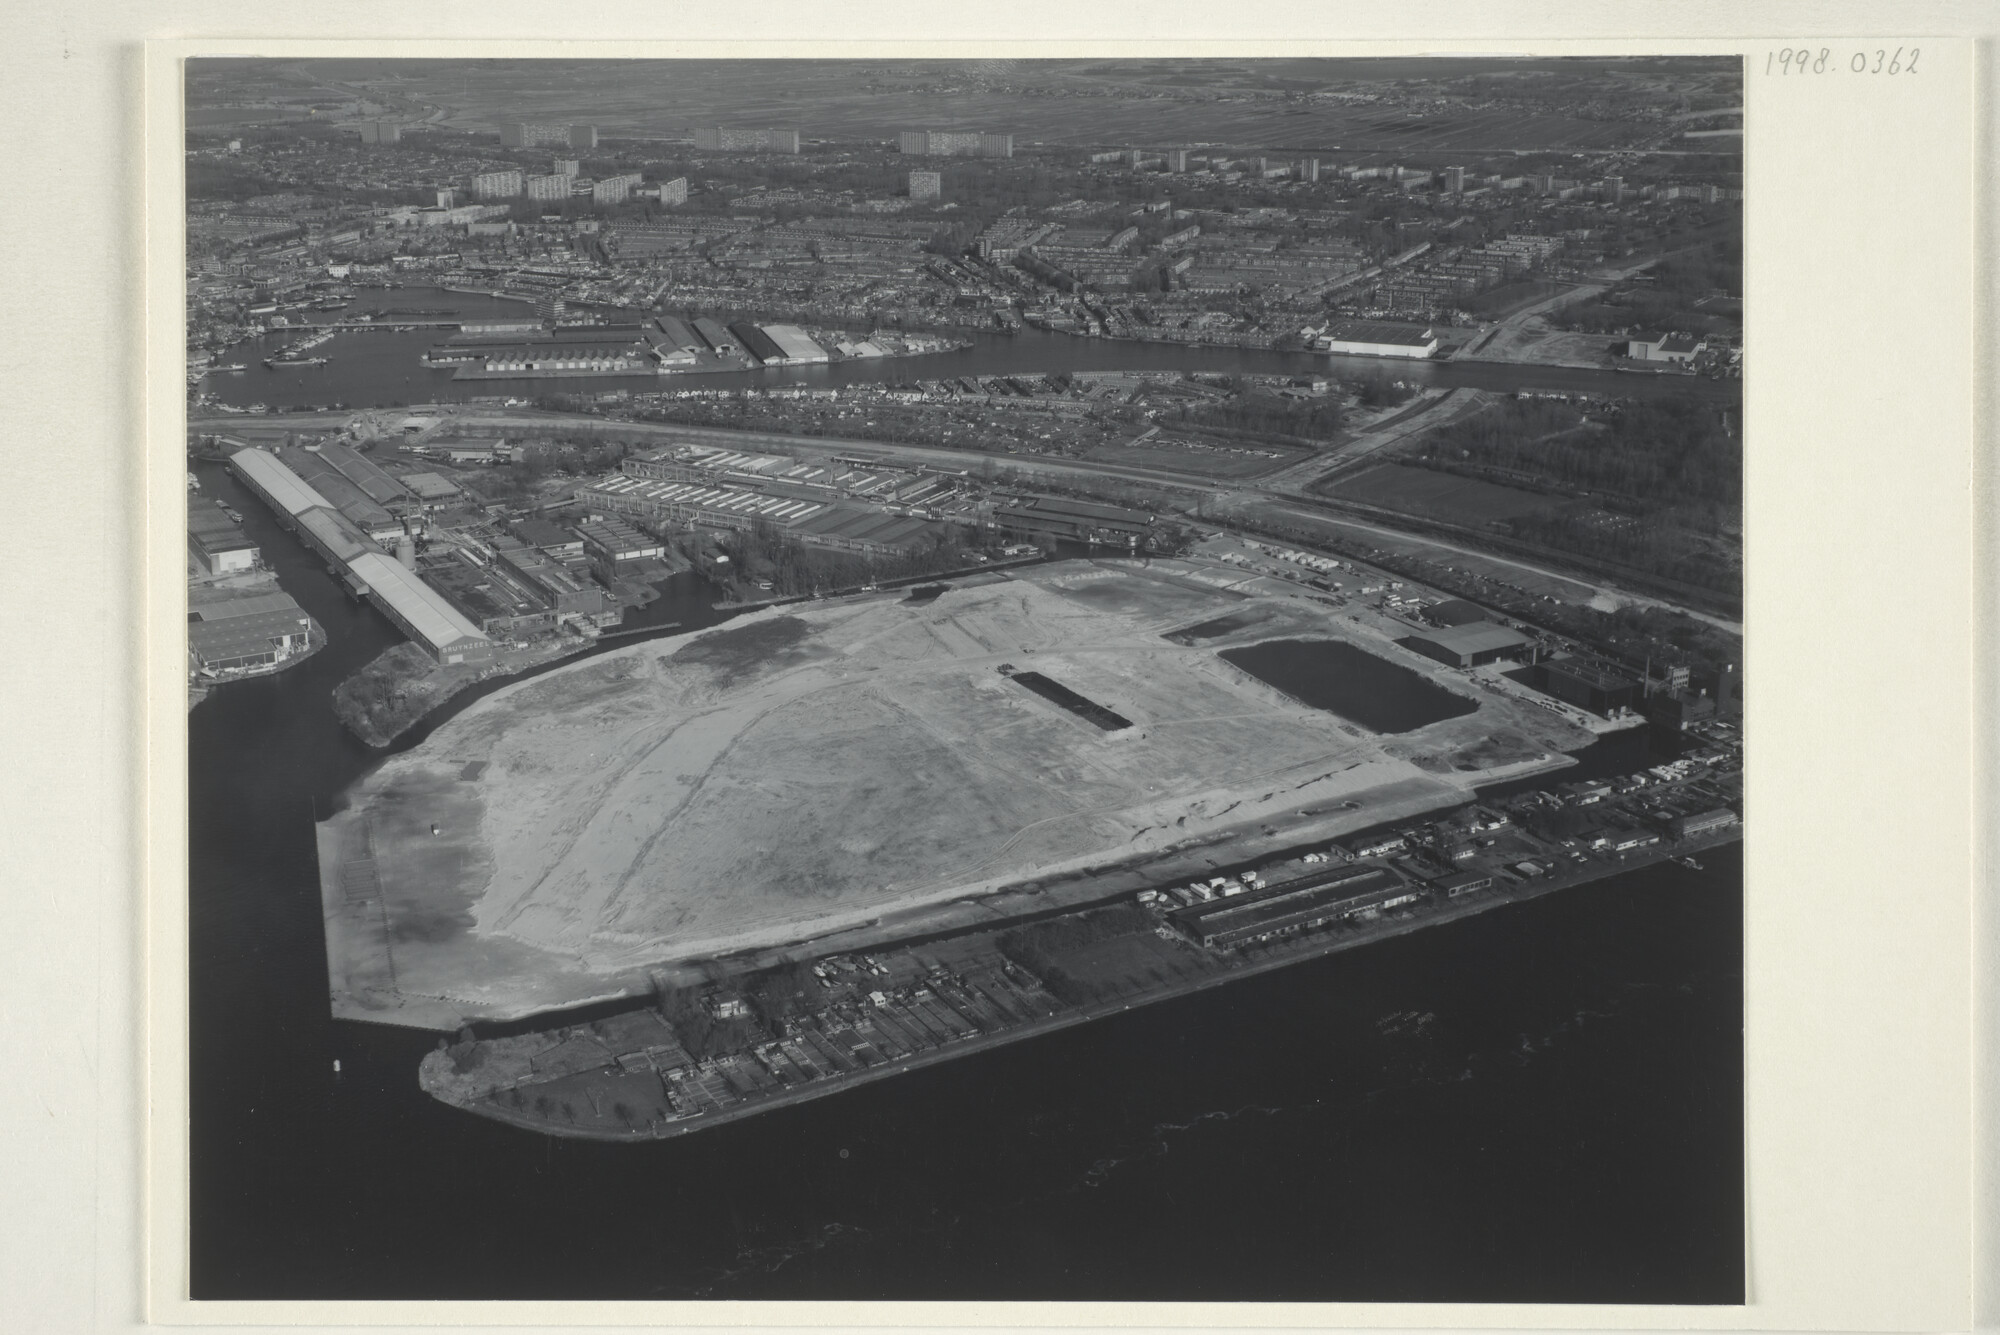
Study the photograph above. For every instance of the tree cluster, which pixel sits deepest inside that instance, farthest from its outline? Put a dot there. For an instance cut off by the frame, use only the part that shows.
(1040, 947)
(1673, 452)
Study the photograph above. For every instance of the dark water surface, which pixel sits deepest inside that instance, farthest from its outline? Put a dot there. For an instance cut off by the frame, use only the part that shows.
(1347, 680)
(1538, 1103)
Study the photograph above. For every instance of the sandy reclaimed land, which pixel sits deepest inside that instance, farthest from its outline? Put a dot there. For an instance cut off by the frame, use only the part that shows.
(822, 769)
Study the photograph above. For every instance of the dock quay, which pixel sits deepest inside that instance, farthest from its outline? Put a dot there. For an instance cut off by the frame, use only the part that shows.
(767, 1037)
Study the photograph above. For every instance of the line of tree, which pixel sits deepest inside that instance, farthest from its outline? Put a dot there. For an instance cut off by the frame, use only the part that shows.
(1651, 545)
(795, 567)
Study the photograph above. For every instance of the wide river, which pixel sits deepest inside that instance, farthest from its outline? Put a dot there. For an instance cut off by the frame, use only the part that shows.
(1539, 1103)
(375, 369)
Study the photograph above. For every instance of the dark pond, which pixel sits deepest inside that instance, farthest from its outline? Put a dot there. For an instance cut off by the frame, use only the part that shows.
(1359, 686)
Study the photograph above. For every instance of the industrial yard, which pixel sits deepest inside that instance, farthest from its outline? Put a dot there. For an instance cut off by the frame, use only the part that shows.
(756, 1039)
(859, 768)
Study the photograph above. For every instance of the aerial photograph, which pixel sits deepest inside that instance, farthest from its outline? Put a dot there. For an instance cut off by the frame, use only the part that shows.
(1107, 679)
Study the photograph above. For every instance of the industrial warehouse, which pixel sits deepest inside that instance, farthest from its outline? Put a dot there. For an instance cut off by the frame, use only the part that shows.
(1075, 521)
(215, 541)
(1472, 645)
(246, 633)
(1377, 339)
(417, 609)
(661, 345)
(831, 524)
(1293, 907)
(697, 486)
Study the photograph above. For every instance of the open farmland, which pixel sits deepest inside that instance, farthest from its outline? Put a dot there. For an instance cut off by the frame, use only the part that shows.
(1434, 495)
(1053, 102)
(816, 770)
(1202, 458)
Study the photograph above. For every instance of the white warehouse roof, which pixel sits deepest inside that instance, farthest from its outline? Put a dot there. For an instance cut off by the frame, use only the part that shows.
(795, 343)
(283, 486)
(423, 608)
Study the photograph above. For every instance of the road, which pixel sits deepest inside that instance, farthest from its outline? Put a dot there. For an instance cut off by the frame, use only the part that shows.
(1600, 591)
(1433, 408)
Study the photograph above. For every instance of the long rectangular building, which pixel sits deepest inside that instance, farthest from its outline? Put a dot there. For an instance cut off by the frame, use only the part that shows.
(716, 336)
(1292, 907)
(757, 343)
(796, 345)
(730, 138)
(317, 469)
(560, 355)
(1080, 521)
(419, 611)
(274, 484)
(841, 525)
(1375, 339)
(679, 335)
(695, 503)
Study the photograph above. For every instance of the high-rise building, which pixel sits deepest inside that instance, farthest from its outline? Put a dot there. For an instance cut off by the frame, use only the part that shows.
(674, 191)
(527, 134)
(955, 143)
(1177, 159)
(567, 167)
(1614, 188)
(1309, 170)
(496, 185)
(534, 134)
(1454, 180)
(614, 189)
(381, 132)
(1544, 184)
(1135, 157)
(926, 185)
(726, 138)
(546, 188)
(447, 199)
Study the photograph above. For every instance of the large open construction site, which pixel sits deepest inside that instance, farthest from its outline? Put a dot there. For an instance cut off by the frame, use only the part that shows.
(831, 774)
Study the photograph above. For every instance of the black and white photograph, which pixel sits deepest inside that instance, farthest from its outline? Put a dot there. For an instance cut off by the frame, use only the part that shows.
(1106, 678)
(1007, 667)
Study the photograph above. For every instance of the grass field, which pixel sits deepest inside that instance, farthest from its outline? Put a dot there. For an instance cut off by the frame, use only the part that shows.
(1434, 495)
(1224, 459)
(822, 768)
